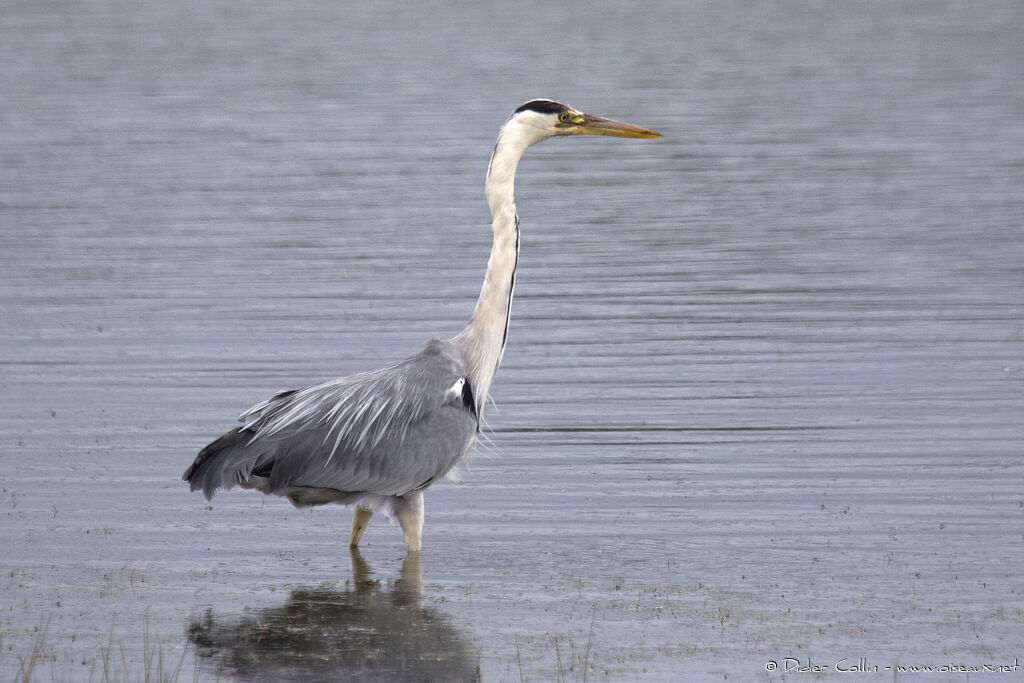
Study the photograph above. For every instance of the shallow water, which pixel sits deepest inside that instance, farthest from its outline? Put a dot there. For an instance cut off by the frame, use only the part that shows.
(764, 390)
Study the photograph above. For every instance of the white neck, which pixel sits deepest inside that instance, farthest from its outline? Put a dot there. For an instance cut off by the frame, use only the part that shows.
(483, 339)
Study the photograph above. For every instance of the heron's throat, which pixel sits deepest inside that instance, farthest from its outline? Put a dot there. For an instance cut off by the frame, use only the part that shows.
(484, 337)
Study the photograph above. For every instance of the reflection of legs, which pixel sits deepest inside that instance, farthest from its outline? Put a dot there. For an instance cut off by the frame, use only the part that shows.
(360, 519)
(408, 590)
(409, 511)
(362, 575)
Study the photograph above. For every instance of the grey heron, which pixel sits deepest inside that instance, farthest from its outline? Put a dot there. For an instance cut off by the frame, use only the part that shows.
(376, 440)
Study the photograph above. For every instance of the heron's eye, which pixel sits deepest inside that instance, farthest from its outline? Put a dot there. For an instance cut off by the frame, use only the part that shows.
(564, 117)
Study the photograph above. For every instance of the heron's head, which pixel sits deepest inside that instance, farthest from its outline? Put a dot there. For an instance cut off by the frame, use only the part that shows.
(548, 118)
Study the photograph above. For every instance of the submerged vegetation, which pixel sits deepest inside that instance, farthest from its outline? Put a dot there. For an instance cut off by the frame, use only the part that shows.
(112, 663)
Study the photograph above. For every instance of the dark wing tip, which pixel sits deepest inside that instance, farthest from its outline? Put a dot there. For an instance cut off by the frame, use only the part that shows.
(195, 475)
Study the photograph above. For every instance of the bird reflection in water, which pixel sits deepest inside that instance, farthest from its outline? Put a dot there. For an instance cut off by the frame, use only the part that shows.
(364, 633)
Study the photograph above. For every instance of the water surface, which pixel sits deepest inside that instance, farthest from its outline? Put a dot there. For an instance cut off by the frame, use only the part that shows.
(764, 390)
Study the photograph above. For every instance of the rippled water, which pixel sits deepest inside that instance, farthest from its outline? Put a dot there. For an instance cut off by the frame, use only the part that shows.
(764, 393)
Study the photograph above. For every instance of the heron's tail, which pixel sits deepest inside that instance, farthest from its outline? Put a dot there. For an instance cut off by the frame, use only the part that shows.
(222, 464)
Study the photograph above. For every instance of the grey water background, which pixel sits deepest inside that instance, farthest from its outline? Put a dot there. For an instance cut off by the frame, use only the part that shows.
(764, 392)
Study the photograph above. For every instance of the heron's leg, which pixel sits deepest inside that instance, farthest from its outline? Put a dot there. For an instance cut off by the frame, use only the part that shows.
(410, 516)
(360, 520)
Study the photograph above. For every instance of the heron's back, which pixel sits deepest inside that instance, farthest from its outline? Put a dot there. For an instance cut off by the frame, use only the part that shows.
(376, 434)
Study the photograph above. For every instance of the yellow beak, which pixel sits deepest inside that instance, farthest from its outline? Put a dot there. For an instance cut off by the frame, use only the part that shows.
(595, 125)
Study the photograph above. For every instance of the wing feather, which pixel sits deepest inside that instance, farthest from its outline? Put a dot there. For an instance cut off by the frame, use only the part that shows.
(385, 432)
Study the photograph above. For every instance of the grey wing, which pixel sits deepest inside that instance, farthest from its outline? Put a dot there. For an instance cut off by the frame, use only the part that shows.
(385, 432)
